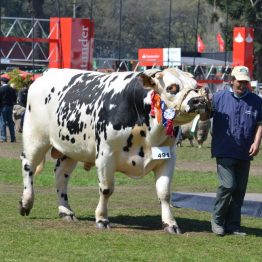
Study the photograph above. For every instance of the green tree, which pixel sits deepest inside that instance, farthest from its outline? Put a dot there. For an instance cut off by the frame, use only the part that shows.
(244, 13)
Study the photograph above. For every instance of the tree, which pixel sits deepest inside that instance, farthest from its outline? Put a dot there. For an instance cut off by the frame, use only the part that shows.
(244, 13)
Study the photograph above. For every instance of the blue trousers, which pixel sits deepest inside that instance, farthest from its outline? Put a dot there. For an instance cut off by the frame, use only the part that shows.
(6, 119)
(233, 177)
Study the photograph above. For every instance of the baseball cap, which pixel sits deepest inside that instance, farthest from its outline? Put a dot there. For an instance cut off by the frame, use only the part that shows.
(5, 80)
(241, 73)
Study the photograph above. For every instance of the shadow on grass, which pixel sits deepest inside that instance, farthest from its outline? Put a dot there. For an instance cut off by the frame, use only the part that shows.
(154, 223)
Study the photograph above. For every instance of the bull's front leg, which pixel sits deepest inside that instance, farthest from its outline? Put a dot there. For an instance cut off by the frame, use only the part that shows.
(164, 175)
(106, 168)
(64, 168)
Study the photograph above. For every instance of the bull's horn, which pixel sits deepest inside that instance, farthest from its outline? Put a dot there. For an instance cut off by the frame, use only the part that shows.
(151, 72)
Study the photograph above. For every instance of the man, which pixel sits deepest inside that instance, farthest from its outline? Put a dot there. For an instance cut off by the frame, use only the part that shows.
(22, 100)
(237, 131)
(7, 101)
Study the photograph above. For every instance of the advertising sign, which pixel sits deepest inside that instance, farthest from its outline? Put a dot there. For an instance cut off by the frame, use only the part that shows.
(172, 56)
(159, 56)
(150, 56)
(243, 45)
(72, 43)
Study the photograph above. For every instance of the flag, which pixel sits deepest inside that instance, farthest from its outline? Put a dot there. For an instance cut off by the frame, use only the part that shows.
(221, 43)
(200, 45)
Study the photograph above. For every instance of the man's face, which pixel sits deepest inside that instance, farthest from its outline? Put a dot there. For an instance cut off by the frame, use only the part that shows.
(239, 87)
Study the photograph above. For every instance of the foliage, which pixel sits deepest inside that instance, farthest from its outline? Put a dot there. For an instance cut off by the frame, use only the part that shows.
(142, 24)
(147, 25)
(18, 80)
(244, 13)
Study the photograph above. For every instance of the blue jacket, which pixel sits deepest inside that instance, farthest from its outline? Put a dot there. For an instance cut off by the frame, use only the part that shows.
(234, 124)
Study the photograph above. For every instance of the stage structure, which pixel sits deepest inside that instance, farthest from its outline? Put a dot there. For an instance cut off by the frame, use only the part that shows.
(58, 42)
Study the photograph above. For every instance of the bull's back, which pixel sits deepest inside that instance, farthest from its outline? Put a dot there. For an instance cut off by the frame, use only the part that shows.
(45, 96)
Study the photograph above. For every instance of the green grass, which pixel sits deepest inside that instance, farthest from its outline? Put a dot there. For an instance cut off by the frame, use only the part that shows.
(184, 180)
(134, 212)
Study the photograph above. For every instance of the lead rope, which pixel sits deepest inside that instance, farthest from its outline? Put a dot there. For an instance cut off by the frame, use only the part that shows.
(187, 91)
(134, 101)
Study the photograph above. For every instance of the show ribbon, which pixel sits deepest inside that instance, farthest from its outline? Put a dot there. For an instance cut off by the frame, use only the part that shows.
(156, 106)
(168, 115)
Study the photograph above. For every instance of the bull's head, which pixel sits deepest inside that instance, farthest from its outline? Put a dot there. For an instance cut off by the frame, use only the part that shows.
(178, 90)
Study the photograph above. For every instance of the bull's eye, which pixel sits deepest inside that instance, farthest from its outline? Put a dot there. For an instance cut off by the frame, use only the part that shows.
(173, 89)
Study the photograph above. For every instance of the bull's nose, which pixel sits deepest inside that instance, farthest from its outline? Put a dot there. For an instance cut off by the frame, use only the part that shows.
(195, 104)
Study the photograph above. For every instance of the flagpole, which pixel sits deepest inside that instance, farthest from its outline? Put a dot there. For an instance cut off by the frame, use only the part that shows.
(226, 33)
(169, 29)
(198, 7)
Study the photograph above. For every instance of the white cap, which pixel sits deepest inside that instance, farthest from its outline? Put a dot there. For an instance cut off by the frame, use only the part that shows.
(241, 73)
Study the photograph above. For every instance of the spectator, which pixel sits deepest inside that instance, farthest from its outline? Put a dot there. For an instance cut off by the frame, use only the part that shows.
(21, 100)
(7, 101)
(237, 131)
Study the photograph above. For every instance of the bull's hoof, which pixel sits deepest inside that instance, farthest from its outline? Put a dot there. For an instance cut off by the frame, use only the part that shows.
(22, 210)
(103, 224)
(68, 218)
(172, 230)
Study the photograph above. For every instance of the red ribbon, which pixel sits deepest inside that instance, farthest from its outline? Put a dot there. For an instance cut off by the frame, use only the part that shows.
(156, 106)
(169, 128)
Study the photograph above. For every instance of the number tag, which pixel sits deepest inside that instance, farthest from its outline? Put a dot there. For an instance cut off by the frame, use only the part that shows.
(162, 152)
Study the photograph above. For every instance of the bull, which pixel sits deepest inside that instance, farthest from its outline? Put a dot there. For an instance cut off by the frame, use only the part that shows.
(122, 121)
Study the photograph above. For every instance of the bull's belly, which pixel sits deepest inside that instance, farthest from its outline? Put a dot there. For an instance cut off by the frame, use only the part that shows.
(135, 166)
(83, 152)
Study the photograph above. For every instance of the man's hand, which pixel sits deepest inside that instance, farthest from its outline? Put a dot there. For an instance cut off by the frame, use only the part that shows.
(254, 149)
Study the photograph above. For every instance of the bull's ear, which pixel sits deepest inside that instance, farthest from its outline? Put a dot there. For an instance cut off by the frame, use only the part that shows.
(147, 77)
(147, 81)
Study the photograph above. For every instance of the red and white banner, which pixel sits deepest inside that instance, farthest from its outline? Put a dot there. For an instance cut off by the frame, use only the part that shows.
(243, 46)
(71, 43)
(159, 56)
(221, 43)
(200, 45)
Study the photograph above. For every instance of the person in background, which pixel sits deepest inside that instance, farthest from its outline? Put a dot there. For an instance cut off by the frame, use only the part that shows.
(7, 101)
(236, 137)
(21, 100)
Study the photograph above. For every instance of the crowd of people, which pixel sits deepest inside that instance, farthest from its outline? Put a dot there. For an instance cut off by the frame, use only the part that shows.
(9, 97)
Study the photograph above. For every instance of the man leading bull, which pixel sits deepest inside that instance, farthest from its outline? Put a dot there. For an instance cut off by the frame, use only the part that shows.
(237, 131)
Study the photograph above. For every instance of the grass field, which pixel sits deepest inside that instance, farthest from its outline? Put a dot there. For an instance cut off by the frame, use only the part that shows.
(136, 233)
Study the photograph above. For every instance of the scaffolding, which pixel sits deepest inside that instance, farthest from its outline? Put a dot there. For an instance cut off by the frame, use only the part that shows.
(26, 42)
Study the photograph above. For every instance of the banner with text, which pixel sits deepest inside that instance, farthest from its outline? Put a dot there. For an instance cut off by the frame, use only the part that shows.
(159, 56)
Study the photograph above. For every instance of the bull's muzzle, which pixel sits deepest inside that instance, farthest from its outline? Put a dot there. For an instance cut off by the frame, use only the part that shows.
(197, 105)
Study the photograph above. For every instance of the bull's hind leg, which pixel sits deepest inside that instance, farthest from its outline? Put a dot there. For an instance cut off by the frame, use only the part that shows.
(164, 176)
(29, 164)
(105, 169)
(64, 168)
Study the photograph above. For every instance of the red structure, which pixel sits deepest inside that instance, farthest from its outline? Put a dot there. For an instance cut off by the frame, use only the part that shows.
(243, 44)
(71, 43)
(27, 41)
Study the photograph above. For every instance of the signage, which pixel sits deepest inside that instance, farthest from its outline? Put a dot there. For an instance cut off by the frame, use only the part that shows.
(243, 45)
(72, 43)
(159, 56)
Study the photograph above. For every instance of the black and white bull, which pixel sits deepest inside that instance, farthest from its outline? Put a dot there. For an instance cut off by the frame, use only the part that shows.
(112, 121)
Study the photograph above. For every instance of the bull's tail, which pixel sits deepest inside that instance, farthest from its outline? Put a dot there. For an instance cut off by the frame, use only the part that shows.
(40, 167)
